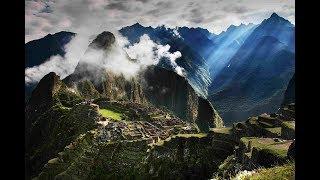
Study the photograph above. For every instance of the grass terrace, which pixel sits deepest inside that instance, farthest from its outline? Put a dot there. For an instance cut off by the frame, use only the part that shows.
(198, 135)
(277, 148)
(107, 113)
(274, 173)
(276, 130)
(223, 130)
(289, 124)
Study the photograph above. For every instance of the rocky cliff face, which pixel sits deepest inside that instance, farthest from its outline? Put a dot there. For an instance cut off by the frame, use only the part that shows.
(166, 88)
(289, 95)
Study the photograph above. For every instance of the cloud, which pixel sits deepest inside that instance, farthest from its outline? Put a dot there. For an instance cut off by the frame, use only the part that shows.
(145, 53)
(142, 54)
(236, 9)
(43, 17)
(63, 66)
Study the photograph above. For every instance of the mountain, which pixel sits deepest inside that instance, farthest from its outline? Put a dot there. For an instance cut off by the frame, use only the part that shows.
(247, 64)
(155, 85)
(47, 126)
(158, 102)
(198, 39)
(227, 44)
(71, 138)
(198, 71)
(259, 72)
(40, 50)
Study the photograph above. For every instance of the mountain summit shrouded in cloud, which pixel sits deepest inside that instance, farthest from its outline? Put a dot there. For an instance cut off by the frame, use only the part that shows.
(244, 70)
(149, 89)
(94, 16)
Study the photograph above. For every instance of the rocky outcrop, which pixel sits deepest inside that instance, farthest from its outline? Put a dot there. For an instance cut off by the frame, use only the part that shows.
(208, 117)
(291, 151)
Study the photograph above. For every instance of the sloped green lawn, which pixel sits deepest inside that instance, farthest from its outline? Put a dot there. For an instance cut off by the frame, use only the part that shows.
(275, 173)
(107, 113)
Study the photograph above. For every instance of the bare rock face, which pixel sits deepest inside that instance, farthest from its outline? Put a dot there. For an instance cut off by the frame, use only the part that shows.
(291, 151)
(208, 117)
(289, 95)
(166, 88)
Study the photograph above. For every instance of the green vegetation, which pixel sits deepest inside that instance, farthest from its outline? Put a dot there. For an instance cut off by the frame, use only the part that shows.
(267, 144)
(224, 130)
(66, 97)
(158, 116)
(64, 124)
(289, 124)
(107, 113)
(87, 90)
(198, 135)
(274, 173)
(185, 155)
(276, 130)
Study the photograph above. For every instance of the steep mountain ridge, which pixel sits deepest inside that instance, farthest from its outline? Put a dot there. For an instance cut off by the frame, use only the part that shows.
(155, 85)
(258, 74)
(195, 65)
(224, 69)
(37, 51)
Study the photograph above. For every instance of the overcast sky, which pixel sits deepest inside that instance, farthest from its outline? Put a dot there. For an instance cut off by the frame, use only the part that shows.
(93, 16)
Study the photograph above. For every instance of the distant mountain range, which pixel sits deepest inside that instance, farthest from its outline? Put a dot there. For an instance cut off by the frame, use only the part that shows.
(37, 51)
(258, 73)
(244, 71)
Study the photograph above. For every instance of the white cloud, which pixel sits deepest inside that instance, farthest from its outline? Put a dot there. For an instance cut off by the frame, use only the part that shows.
(62, 66)
(145, 52)
(98, 15)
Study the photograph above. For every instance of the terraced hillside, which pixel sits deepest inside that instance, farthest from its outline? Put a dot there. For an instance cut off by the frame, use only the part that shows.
(78, 128)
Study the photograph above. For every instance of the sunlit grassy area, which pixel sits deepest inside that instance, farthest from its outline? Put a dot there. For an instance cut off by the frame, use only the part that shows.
(107, 113)
(289, 124)
(224, 130)
(276, 130)
(274, 173)
(198, 135)
(278, 148)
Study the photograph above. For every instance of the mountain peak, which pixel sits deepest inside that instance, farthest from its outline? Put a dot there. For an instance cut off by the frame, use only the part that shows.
(276, 19)
(103, 40)
(274, 15)
(137, 25)
(47, 86)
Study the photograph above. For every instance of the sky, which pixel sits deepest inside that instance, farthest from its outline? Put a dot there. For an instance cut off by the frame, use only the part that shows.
(94, 16)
